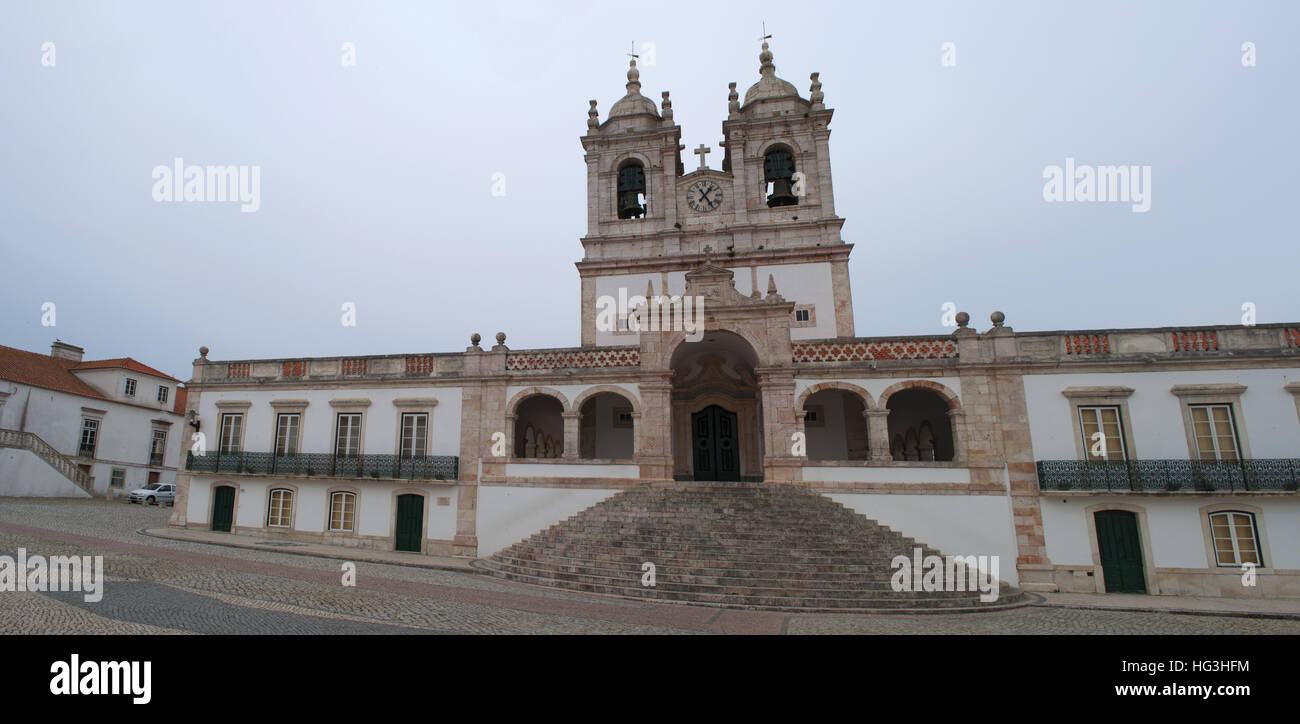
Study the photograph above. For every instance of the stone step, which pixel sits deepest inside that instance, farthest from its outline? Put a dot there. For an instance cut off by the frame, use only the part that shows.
(748, 545)
(866, 603)
(718, 577)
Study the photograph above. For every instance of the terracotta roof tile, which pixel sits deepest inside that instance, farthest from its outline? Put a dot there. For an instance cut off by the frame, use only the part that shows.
(123, 363)
(42, 370)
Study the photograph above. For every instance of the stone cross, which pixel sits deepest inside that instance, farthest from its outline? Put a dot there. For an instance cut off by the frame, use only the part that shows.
(703, 152)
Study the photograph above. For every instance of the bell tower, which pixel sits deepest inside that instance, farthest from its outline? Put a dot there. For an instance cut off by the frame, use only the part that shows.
(769, 211)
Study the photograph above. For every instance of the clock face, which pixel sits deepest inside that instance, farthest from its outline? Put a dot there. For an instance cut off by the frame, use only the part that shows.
(704, 196)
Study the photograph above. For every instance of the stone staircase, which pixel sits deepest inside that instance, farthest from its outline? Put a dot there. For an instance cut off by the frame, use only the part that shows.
(739, 545)
(63, 464)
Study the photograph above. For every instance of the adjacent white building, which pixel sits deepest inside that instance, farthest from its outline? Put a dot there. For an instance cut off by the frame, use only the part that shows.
(74, 428)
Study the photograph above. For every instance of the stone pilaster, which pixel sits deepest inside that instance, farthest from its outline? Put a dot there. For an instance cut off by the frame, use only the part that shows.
(776, 389)
(653, 430)
(878, 434)
(570, 434)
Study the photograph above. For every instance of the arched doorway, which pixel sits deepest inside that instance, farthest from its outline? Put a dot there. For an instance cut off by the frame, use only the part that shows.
(919, 426)
(606, 427)
(716, 410)
(835, 426)
(539, 427)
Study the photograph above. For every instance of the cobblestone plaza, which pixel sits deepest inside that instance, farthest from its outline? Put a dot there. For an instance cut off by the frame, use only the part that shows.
(158, 586)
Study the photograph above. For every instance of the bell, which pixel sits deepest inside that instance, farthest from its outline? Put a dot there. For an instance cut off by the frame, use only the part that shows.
(629, 206)
(781, 194)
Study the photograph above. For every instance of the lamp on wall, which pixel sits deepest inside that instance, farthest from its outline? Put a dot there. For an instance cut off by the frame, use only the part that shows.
(193, 419)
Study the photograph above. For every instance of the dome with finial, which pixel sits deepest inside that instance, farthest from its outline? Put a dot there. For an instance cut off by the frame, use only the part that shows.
(769, 86)
(633, 103)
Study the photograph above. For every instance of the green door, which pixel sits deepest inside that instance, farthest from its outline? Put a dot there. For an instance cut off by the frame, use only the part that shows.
(410, 522)
(715, 444)
(1121, 551)
(223, 508)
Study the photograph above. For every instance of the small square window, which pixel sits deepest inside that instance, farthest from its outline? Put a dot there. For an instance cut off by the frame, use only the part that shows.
(119, 478)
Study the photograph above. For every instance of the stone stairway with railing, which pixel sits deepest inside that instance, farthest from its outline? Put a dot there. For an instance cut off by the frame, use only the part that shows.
(739, 545)
(61, 463)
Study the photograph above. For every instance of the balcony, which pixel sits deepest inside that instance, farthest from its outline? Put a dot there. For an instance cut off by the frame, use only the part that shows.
(155, 459)
(1168, 476)
(427, 467)
(86, 451)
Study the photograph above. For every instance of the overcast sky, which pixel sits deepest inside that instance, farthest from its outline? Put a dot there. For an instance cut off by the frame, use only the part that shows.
(376, 179)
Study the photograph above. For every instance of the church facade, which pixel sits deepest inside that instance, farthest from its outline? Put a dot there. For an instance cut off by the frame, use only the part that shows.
(718, 344)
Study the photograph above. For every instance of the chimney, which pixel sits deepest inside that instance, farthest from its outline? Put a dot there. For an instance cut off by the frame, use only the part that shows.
(63, 350)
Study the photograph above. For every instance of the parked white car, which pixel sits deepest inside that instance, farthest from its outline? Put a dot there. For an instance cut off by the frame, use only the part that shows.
(154, 493)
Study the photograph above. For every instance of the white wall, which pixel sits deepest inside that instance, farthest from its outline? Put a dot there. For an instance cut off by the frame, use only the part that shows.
(311, 512)
(877, 386)
(379, 427)
(125, 432)
(1177, 537)
(886, 474)
(24, 474)
(799, 283)
(508, 514)
(964, 525)
(1268, 411)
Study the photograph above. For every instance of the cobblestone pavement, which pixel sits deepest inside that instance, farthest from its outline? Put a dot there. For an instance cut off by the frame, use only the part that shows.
(157, 586)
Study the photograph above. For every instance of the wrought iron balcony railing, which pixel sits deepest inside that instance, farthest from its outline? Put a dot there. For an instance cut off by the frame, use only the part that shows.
(427, 467)
(1169, 475)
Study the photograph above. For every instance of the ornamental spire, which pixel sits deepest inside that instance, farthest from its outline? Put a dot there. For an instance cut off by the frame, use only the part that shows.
(766, 67)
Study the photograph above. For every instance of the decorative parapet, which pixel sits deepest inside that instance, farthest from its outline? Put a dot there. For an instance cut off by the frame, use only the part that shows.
(352, 367)
(296, 368)
(419, 365)
(574, 359)
(1195, 341)
(1077, 344)
(1292, 336)
(863, 350)
(238, 369)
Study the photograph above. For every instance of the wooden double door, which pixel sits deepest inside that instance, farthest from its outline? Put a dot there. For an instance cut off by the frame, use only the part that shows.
(715, 444)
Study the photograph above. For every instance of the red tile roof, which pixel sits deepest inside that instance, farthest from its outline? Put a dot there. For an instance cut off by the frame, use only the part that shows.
(123, 363)
(42, 370)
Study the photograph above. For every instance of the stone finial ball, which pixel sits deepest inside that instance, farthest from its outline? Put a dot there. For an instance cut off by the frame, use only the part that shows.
(475, 338)
(501, 337)
(997, 318)
(203, 351)
(963, 319)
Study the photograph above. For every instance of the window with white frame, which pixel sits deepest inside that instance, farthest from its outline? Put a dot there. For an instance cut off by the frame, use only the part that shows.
(232, 432)
(1236, 539)
(343, 511)
(1215, 432)
(279, 512)
(286, 433)
(415, 434)
(118, 478)
(89, 436)
(130, 387)
(157, 447)
(347, 438)
(162, 393)
(1103, 433)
